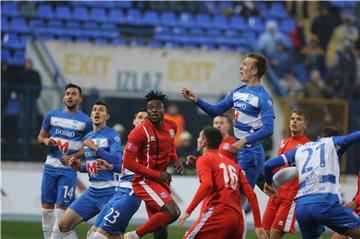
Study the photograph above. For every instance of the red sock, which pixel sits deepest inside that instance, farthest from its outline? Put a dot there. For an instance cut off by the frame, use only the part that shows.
(157, 221)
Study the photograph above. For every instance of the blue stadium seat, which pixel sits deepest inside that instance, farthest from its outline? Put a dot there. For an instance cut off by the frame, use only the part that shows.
(262, 8)
(123, 4)
(65, 38)
(116, 16)
(80, 13)
(108, 26)
(5, 26)
(101, 41)
(45, 11)
(186, 20)
(98, 15)
(34, 23)
(25, 38)
(220, 22)
(287, 25)
(151, 18)
(202, 20)
(5, 54)
(133, 17)
(19, 57)
(11, 40)
(155, 44)
(168, 19)
(277, 10)
(256, 24)
(9, 8)
(72, 24)
(118, 41)
(90, 25)
(55, 23)
(238, 23)
(19, 25)
(46, 36)
(223, 5)
(62, 12)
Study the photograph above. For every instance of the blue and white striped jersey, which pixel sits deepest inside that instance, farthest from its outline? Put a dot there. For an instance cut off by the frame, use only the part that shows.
(318, 166)
(253, 112)
(109, 148)
(68, 130)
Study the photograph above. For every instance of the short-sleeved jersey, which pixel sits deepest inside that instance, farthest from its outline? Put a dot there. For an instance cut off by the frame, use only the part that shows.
(68, 130)
(290, 189)
(318, 168)
(225, 145)
(151, 145)
(108, 140)
(250, 105)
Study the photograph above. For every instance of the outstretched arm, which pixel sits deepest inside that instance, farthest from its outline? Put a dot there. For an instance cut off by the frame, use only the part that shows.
(285, 175)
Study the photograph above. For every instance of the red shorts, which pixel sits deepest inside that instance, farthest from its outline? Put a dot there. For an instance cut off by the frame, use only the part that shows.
(279, 214)
(217, 222)
(154, 194)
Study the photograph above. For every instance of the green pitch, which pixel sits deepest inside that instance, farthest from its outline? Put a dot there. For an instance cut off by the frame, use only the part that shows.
(26, 230)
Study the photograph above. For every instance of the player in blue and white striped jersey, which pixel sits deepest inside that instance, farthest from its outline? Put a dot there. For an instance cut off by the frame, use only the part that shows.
(102, 143)
(253, 116)
(113, 219)
(318, 201)
(62, 131)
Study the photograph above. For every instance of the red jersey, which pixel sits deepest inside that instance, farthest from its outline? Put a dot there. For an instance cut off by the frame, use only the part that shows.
(356, 198)
(221, 180)
(225, 145)
(152, 146)
(290, 189)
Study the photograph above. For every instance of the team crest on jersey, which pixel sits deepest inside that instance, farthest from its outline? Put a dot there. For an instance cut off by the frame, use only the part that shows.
(152, 138)
(131, 147)
(163, 195)
(226, 146)
(270, 102)
(248, 98)
(172, 133)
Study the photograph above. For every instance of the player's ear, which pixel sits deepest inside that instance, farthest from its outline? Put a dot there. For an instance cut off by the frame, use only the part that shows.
(80, 99)
(254, 71)
(107, 116)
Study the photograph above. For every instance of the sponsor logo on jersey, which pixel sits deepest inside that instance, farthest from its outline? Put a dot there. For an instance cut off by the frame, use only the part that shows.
(132, 147)
(172, 133)
(62, 146)
(270, 102)
(66, 133)
(241, 106)
(163, 195)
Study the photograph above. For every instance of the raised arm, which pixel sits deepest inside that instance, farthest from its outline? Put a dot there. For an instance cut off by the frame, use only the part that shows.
(271, 164)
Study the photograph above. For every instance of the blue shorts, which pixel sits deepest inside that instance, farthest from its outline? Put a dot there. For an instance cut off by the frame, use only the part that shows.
(116, 214)
(91, 202)
(58, 186)
(251, 161)
(313, 217)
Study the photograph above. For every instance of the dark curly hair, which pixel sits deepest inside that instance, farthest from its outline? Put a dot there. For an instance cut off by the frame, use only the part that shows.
(155, 95)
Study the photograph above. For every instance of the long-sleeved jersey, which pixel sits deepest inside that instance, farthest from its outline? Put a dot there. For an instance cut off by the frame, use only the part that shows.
(225, 145)
(253, 112)
(68, 130)
(318, 166)
(109, 148)
(150, 148)
(356, 198)
(290, 189)
(222, 180)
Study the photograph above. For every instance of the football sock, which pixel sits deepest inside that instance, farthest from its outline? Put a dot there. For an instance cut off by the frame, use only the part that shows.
(55, 230)
(98, 235)
(69, 235)
(47, 222)
(156, 222)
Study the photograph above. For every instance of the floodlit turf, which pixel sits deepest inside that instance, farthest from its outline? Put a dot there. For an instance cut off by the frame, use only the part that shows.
(27, 230)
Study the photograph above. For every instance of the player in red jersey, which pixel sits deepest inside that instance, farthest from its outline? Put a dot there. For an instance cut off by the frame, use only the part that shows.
(279, 216)
(220, 179)
(149, 149)
(354, 205)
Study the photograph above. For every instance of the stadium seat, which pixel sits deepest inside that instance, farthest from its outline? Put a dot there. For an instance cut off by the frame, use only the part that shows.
(34, 23)
(287, 25)
(19, 25)
(116, 16)
(202, 20)
(256, 24)
(101, 41)
(155, 44)
(45, 11)
(238, 23)
(5, 54)
(80, 13)
(123, 4)
(220, 22)
(133, 17)
(9, 8)
(186, 20)
(19, 57)
(98, 14)
(55, 23)
(118, 41)
(151, 18)
(168, 19)
(5, 26)
(108, 26)
(11, 40)
(277, 10)
(62, 12)
(262, 8)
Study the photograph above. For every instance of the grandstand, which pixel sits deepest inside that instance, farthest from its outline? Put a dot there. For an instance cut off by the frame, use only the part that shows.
(118, 50)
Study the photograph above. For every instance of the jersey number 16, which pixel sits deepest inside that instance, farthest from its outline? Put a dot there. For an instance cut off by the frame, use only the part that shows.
(230, 175)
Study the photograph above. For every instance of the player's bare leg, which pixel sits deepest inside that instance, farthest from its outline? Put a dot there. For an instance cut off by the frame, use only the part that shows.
(47, 219)
(68, 222)
(276, 234)
(353, 233)
(101, 234)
